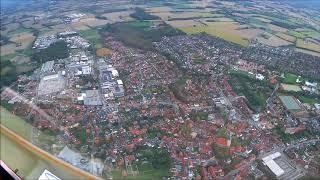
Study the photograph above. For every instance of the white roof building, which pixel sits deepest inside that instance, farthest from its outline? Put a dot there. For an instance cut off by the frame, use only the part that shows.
(115, 73)
(312, 84)
(119, 82)
(47, 175)
(272, 165)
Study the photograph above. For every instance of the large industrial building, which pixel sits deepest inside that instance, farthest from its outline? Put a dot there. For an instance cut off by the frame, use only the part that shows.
(281, 167)
(51, 84)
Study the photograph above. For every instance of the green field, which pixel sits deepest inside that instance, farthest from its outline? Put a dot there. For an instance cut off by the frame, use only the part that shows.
(93, 36)
(309, 100)
(16, 124)
(290, 78)
(146, 172)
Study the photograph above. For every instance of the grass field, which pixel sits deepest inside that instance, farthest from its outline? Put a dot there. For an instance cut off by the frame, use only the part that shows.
(296, 34)
(146, 172)
(16, 124)
(290, 78)
(308, 100)
(290, 87)
(92, 36)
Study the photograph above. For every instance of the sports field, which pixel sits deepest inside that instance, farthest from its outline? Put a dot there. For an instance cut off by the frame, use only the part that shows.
(290, 87)
(290, 102)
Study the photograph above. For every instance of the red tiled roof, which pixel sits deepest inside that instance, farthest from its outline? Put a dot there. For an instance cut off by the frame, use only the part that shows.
(222, 141)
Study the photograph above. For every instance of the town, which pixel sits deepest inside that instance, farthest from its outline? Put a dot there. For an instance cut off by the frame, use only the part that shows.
(133, 89)
(190, 101)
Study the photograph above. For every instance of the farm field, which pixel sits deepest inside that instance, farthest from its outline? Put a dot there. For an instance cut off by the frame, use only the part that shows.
(307, 52)
(7, 49)
(286, 37)
(103, 52)
(118, 16)
(272, 40)
(24, 39)
(226, 30)
(308, 45)
(94, 22)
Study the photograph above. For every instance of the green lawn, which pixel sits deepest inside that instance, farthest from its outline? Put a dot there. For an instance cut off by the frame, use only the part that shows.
(290, 78)
(308, 100)
(146, 172)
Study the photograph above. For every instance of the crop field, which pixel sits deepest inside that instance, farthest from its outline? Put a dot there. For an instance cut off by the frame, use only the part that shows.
(118, 16)
(217, 19)
(19, 31)
(185, 24)
(277, 28)
(20, 59)
(163, 15)
(272, 40)
(24, 39)
(103, 52)
(307, 52)
(308, 45)
(79, 26)
(159, 9)
(263, 19)
(286, 37)
(7, 49)
(224, 30)
(94, 22)
(296, 34)
(190, 14)
(308, 32)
